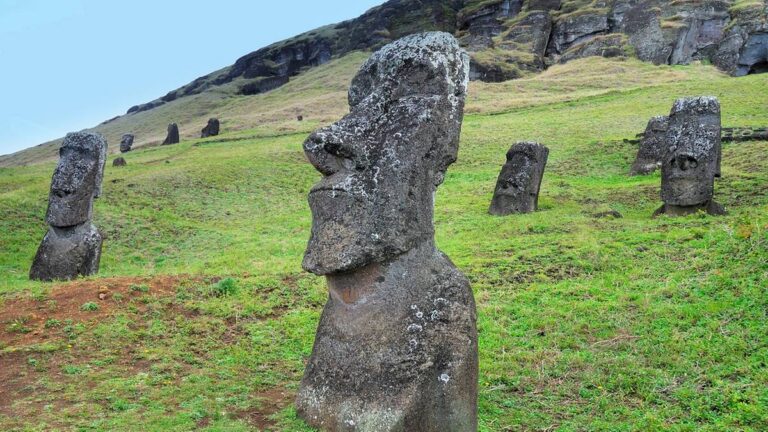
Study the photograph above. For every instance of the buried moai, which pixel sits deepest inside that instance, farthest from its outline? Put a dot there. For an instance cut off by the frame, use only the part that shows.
(173, 134)
(211, 129)
(652, 147)
(517, 189)
(692, 158)
(396, 346)
(72, 246)
(126, 143)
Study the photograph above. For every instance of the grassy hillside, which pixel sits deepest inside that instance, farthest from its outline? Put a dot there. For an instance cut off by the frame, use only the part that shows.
(585, 323)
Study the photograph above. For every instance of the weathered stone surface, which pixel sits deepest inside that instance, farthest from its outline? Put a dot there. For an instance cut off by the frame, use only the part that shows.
(608, 46)
(577, 28)
(692, 159)
(126, 143)
(67, 253)
(652, 147)
(517, 189)
(173, 134)
(119, 162)
(211, 129)
(77, 179)
(396, 347)
(72, 246)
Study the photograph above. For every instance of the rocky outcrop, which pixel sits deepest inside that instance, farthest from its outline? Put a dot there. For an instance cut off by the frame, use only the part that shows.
(508, 39)
(396, 346)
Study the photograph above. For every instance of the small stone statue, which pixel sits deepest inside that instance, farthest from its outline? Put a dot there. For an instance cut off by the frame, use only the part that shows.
(396, 347)
(692, 158)
(211, 129)
(126, 143)
(652, 147)
(72, 246)
(517, 189)
(173, 134)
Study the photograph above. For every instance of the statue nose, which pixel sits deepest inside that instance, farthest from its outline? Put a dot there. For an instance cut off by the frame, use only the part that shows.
(325, 151)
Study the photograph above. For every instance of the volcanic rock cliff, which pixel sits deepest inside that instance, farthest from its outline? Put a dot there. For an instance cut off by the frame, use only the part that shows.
(511, 38)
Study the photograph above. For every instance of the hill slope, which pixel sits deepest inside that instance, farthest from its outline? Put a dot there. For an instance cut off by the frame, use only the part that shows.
(506, 38)
(584, 323)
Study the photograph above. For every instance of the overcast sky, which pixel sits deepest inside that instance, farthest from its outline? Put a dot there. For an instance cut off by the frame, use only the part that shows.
(70, 64)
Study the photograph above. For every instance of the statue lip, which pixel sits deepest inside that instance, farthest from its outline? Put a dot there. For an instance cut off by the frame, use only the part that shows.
(337, 182)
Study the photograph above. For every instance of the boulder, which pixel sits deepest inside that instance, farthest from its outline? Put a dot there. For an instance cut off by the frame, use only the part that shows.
(396, 346)
(211, 129)
(517, 189)
(72, 246)
(692, 158)
(652, 147)
(126, 143)
(173, 134)
(119, 162)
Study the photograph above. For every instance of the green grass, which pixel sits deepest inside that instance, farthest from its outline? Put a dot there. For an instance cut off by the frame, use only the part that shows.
(632, 324)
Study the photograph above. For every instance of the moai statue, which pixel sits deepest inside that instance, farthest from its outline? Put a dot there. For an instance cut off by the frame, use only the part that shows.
(211, 129)
(72, 246)
(396, 347)
(692, 158)
(173, 134)
(126, 143)
(517, 189)
(652, 147)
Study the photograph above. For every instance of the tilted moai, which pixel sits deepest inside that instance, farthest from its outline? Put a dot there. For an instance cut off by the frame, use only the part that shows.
(72, 246)
(517, 189)
(211, 129)
(126, 143)
(173, 134)
(396, 346)
(652, 147)
(692, 158)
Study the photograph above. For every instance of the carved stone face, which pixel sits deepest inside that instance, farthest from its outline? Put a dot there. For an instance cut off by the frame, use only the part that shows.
(692, 160)
(77, 179)
(383, 162)
(517, 189)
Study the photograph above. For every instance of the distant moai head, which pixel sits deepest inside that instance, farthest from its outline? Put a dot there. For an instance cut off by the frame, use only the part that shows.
(173, 134)
(126, 143)
(77, 179)
(692, 158)
(383, 161)
(517, 189)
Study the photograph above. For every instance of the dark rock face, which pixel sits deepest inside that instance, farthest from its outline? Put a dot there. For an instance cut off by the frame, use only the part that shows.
(754, 55)
(211, 129)
(652, 147)
(692, 159)
(119, 162)
(126, 143)
(517, 189)
(72, 246)
(173, 134)
(396, 347)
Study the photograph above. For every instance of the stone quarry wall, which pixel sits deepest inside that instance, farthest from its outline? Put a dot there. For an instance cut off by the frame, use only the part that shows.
(510, 38)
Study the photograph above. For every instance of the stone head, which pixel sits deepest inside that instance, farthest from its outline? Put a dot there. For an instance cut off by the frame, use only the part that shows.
(383, 161)
(517, 189)
(692, 157)
(77, 179)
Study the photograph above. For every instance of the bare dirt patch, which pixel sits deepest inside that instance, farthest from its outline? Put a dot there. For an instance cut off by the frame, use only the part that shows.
(23, 319)
(269, 403)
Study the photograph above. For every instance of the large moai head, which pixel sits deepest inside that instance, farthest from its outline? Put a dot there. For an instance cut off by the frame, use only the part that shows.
(383, 161)
(692, 158)
(173, 134)
(77, 179)
(517, 189)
